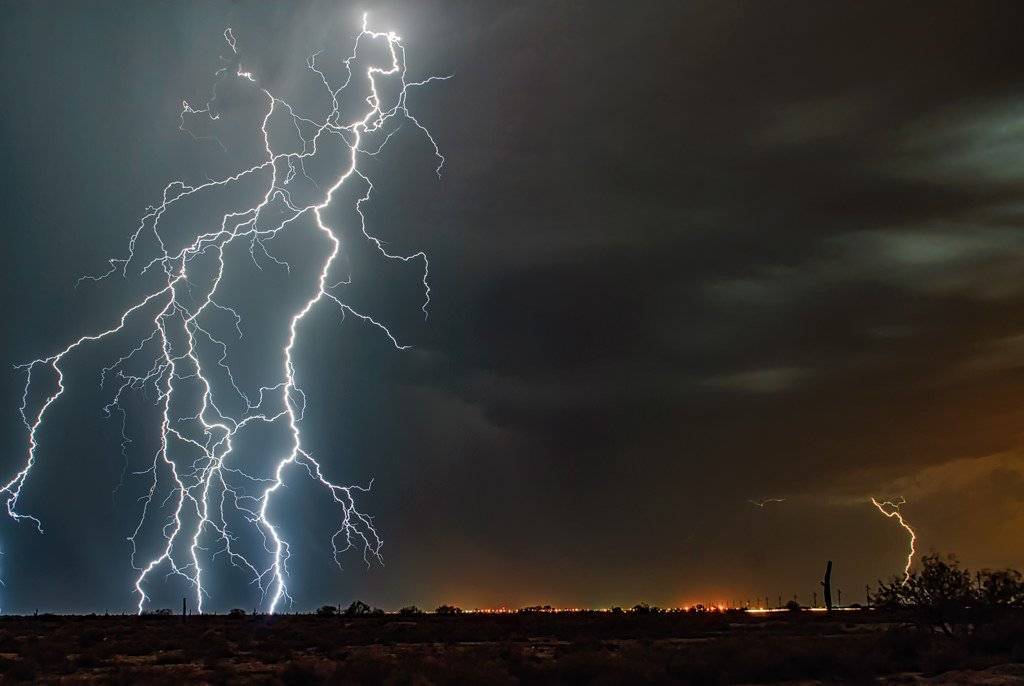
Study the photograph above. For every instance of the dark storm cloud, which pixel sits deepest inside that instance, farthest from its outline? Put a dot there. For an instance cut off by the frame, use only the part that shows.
(683, 255)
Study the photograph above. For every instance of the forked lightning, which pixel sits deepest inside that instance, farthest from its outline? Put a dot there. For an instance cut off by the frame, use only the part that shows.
(195, 471)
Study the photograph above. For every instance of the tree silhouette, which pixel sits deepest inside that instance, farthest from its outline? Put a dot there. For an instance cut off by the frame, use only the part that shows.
(943, 596)
(448, 610)
(357, 608)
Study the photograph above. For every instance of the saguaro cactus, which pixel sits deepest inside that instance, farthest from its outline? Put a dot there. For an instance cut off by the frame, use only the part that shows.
(826, 583)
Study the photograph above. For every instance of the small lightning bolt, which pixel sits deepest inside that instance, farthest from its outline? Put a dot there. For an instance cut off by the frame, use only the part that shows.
(196, 470)
(892, 510)
(766, 501)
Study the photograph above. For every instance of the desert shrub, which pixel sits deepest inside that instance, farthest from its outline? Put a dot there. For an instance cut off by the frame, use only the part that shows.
(448, 610)
(357, 609)
(1000, 588)
(943, 596)
(161, 612)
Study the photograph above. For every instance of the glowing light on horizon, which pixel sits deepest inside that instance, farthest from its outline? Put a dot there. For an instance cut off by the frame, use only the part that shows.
(893, 512)
(203, 490)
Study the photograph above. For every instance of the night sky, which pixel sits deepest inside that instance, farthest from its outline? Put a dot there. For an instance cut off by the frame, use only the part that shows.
(684, 256)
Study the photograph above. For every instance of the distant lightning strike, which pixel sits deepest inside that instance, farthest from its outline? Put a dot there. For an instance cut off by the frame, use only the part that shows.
(204, 490)
(892, 510)
(766, 501)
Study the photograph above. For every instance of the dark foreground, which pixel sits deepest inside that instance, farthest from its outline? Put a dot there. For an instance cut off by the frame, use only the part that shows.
(580, 648)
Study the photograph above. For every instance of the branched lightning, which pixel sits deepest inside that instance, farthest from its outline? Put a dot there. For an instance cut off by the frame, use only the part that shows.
(195, 471)
(892, 510)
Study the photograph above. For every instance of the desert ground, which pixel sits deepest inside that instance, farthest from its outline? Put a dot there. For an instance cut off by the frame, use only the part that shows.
(732, 647)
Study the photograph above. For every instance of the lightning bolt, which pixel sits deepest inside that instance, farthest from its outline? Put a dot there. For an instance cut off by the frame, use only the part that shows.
(195, 471)
(766, 501)
(892, 510)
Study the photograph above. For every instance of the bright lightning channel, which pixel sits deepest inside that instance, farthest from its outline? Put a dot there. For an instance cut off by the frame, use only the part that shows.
(203, 491)
(892, 510)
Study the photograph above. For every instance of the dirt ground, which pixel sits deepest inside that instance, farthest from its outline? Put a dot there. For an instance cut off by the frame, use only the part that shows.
(577, 648)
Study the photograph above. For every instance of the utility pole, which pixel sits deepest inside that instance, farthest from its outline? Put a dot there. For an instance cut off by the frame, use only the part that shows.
(814, 603)
(867, 595)
(840, 592)
(184, 608)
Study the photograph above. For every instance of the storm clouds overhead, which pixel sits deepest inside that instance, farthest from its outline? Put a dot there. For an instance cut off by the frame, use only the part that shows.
(684, 256)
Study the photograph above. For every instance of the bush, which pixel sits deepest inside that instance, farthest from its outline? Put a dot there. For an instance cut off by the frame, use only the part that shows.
(327, 611)
(448, 610)
(161, 612)
(943, 596)
(1000, 588)
(357, 608)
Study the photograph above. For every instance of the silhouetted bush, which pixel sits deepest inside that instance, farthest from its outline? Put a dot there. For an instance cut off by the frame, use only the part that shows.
(160, 612)
(1001, 588)
(941, 595)
(327, 611)
(357, 608)
(448, 610)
